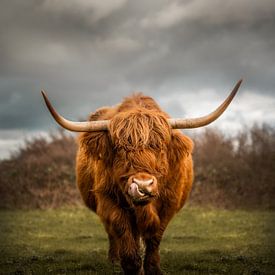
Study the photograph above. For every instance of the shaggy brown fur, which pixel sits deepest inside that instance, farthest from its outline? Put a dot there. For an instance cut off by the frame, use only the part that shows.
(140, 145)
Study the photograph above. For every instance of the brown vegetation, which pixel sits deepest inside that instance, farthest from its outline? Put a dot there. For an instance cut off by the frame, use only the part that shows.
(235, 171)
(41, 174)
(230, 172)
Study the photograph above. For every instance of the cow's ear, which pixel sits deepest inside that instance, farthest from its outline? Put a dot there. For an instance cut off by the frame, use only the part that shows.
(180, 146)
(96, 144)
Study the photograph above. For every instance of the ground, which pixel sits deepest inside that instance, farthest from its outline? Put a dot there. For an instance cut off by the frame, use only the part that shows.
(198, 241)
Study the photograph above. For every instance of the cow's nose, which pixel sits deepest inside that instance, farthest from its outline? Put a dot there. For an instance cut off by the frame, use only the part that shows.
(143, 183)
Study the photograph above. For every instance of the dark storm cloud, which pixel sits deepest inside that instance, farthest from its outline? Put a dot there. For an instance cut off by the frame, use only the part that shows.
(162, 40)
(208, 40)
(91, 53)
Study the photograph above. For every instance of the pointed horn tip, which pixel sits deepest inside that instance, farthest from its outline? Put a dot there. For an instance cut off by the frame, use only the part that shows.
(240, 82)
(237, 86)
(46, 100)
(43, 94)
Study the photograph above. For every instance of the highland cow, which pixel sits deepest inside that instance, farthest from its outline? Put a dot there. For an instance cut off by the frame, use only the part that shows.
(134, 170)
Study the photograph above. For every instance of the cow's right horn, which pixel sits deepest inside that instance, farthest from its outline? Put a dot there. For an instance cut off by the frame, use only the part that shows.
(87, 126)
(181, 123)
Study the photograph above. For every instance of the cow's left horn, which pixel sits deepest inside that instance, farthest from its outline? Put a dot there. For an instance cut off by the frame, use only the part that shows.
(180, 123)
(87, 126)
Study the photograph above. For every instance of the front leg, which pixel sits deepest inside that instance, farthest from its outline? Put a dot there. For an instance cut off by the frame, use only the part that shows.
(124, 239)
(149, 225)
(152, 257)
(113, 254)
(152, 242)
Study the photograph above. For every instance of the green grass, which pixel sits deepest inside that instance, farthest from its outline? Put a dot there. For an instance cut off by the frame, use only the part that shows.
(198, 241)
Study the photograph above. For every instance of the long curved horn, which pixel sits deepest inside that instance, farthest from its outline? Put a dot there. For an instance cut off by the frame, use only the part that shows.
(87, 126)
(181, 123)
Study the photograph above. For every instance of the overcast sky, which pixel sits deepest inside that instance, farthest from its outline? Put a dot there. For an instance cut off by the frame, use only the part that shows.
(188, 55)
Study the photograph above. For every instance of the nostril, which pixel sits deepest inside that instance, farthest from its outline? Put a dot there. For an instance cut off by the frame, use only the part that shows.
(141, 191)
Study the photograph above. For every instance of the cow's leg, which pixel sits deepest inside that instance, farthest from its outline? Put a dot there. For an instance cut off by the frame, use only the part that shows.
(124, 239)
(149, 226)
(126, 245)
(152, 257)
(113, 254)
(152, 242)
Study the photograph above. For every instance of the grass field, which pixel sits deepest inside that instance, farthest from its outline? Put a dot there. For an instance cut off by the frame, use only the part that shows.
(198, 241)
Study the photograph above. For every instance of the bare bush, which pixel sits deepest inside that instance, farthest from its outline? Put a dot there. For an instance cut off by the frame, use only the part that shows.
(41, 174)
(230, 171)
(235, 171)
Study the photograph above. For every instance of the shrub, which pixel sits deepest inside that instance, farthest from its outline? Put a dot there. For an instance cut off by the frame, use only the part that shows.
(230, 171)
(41, 174)
(235, 171)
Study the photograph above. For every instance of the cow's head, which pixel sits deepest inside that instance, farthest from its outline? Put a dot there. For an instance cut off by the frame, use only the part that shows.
(134, 144)
(140, 139)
